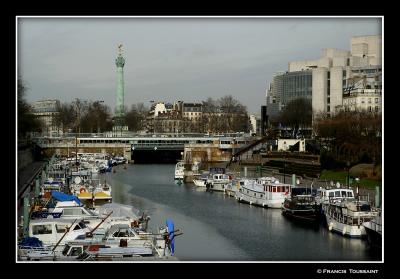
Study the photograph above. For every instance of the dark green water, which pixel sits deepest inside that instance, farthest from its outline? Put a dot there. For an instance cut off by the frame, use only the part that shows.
(217, 227)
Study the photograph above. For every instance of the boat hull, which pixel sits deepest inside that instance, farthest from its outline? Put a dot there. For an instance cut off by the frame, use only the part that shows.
(352, 231)
(301, 215)
(374, 238)
(259, 202)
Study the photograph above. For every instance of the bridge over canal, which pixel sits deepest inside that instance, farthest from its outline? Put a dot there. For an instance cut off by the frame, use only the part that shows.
(140, 148)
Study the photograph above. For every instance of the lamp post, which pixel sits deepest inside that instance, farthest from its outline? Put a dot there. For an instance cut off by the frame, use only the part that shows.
(348, 174)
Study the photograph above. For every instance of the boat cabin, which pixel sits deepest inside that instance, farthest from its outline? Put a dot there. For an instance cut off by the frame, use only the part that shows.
(50, 231)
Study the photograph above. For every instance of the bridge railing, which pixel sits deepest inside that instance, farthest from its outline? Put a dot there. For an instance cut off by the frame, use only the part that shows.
(133, 135)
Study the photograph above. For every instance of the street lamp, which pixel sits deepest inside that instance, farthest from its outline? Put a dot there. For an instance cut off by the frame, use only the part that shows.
(348, 174)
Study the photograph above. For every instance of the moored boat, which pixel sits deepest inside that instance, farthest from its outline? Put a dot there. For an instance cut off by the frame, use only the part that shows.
(301, 207)
(347, 216)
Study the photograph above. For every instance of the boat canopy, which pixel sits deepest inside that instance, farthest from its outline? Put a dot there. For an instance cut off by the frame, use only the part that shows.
(119, 210)
(64, 197)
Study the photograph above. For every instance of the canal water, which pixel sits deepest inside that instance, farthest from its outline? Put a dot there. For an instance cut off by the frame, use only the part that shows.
(218, 228)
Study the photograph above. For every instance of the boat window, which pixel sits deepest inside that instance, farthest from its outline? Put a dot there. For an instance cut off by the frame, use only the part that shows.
(72, 211)
(344, 194)
(76, 251)
(42, 229)
(261, 196)
(331, 194)
(66, 249)
(274, 189)
(61, 228)
(82, 224)
(77, 227)
(349, 194)
(337, 194)
(254, 194)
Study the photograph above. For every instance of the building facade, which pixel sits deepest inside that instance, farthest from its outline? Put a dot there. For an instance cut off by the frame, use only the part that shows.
(46, 111)
(332, 82)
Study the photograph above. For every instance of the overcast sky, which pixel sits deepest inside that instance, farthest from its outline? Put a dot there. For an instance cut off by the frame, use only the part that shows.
(170, 59)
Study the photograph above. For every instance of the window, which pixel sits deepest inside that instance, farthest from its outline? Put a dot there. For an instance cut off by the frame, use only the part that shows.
(329, 100)
(348, 61)
(61, 228)
(329, 75)
(76, 251)
(376, 100)
(369, 108)
(369, 100)
(344, 194)
(337, 193)
(376, 109)
(328, 109)
(331, 194)
(344, 73)
(42, 229)
(350, 194)
(77, 227)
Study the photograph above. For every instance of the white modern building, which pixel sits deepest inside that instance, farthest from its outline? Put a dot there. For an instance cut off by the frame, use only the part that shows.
(46, 111)
(254, 123)
(339, 79)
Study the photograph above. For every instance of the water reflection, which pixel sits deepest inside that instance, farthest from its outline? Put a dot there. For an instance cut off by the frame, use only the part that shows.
(217, 227)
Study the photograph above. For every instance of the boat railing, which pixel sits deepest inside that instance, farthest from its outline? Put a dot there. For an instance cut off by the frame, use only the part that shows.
(344, 218)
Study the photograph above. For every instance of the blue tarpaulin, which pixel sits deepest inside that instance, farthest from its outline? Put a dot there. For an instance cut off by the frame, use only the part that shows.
(64, 197)
(170, 225)
(31, 242)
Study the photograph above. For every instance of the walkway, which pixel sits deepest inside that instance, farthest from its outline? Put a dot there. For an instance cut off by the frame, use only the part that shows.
(26, 175)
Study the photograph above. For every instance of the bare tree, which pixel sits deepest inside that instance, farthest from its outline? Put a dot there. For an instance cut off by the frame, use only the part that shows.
(350, 136)
(66, 117)
(297, 114)
(27, 122)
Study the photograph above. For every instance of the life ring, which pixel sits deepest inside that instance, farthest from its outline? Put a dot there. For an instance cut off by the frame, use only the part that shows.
(82, 190)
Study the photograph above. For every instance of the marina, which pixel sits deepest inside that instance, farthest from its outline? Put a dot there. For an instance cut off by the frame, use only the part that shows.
(208, 150)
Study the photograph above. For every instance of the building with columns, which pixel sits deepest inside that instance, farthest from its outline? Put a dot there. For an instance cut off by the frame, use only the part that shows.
(46, 111)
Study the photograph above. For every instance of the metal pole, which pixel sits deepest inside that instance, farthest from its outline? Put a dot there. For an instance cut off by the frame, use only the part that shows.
(284, 170)
(37, 188)
(26, 215)
(377, 196)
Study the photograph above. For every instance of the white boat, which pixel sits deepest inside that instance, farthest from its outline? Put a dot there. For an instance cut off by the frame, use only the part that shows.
(218, 182)
(179, 170)
(348, 215)
(200, 180)
(373, 229)
(265, 192)
(51, 231)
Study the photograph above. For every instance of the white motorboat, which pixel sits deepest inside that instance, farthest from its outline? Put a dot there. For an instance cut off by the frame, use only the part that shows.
(348, 215)
(57, 230)
(218, 182)
(179, 171)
